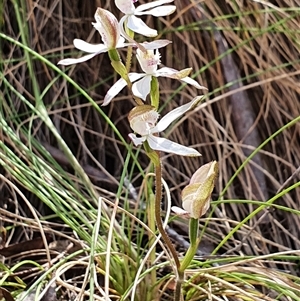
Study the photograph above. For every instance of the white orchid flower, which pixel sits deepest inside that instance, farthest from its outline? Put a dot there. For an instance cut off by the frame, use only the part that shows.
(149, 62)
(108, 27)
(143, 121)
(134, 23)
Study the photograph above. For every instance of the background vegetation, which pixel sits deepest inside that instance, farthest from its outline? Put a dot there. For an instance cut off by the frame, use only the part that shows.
(71, 187)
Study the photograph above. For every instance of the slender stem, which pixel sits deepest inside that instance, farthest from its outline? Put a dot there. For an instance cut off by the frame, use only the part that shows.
(194, 242)
(128, 58)
(128, 63)
(179, 281)
(159, 223)
(151, 224)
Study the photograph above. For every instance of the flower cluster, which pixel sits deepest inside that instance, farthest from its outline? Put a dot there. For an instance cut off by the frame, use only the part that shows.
(143, 118)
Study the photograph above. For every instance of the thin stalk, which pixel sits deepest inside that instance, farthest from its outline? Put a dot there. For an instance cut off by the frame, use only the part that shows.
(159, 224)
(138, 101)
(194, 242)
(130, 33)
(128, 58)
(151, 224)
(129, 49)
(178, 296)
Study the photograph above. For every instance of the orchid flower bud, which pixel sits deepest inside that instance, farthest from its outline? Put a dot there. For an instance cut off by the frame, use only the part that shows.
(196, 196)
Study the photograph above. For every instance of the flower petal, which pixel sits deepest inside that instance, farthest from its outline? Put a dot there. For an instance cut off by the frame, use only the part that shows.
(174, 114)
(133, 76)
(148, 60)
(152, 4)
(125, 35)
(197, 202)
(192, 82)
(118, 86)
(139, 26)
(142, 119)
(90, 48)
(180, 212)
(156, 44)
(71, 61)
(125, 6)
(121, 43)
(196, 207)
(136, 140)
(142, 87)
(173, 73)
(196, 196)
(167, 72)
(113, 91)
(165, 145)
(158, 11)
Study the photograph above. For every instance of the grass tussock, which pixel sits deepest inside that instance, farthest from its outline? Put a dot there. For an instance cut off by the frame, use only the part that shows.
(73, 191)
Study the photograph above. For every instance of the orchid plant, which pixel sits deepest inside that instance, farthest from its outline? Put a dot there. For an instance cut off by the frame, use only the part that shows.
(144, 117)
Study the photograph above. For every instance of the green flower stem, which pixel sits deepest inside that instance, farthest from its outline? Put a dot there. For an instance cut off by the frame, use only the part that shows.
(194, 242)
